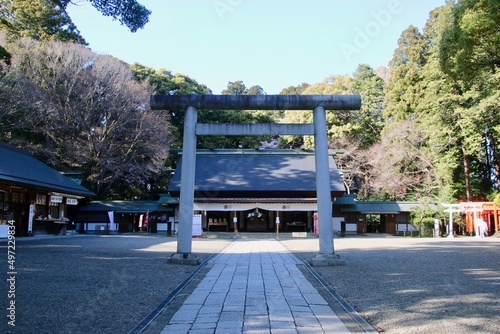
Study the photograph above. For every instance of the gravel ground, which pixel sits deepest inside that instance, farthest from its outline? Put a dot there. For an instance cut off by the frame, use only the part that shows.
(92, 284)
(107, 284)
(417, 285)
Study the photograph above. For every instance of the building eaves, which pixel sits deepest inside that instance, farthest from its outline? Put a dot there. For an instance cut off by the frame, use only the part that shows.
(18, 167)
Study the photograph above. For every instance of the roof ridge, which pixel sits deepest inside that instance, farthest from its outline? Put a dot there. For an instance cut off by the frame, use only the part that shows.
(16, 149)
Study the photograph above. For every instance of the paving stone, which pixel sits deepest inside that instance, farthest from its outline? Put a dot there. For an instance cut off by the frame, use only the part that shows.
(236, 325)
(255, 287)
(289, 325)
(314, 299)
(176, 329)
(306, 320)
(281, 316)
(317, 330)
(208, 326)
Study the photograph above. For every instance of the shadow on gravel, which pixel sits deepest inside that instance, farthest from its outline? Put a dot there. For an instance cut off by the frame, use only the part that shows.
(106, 284)
(90, 284)
(420, 285)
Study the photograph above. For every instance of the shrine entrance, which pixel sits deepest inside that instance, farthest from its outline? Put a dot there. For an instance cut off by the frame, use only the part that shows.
(318, 103)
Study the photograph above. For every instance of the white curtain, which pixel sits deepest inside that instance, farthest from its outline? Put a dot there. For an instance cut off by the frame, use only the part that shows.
(251, 206)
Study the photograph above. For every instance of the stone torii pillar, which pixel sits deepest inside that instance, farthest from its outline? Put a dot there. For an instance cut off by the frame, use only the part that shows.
(317, 103)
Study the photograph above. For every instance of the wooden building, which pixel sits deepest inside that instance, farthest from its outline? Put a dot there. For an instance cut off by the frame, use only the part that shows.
(34, 197)
(104, 217)
(375, 216)
(254, 190)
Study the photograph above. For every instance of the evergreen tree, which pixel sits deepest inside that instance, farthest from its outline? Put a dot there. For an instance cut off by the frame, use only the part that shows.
(469, 53)
(128, 12)
(5, 56)
(37, 19)
(471, 42)
(368, 119)
(235, 88)
(337, 120)
(48, 19)
(294, 90)
(165, 82)
(404, 87)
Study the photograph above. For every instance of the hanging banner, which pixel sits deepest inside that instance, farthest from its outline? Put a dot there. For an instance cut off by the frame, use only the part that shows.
(316, 224)
(112, 226)
(146, 220)
(31, 217)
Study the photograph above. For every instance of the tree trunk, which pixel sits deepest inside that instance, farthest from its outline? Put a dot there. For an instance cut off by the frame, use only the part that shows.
(467, 174)
(496, 159)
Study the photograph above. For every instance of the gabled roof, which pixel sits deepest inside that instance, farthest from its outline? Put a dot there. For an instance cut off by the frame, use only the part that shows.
(19, 167)
(255, 174)
(346, 199)
(381, 207)
(167, 199)
(125, 206)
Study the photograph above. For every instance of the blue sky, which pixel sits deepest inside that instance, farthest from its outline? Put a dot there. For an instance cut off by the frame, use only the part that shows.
(271, 43)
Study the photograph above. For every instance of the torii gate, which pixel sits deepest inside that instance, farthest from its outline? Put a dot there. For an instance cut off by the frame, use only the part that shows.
(317, 103)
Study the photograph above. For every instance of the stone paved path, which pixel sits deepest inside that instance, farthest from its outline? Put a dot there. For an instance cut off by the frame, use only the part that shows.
(255, 286)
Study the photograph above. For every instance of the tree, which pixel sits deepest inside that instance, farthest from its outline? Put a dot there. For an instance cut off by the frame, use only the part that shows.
(496, 200)
(448, 134)
(239, 88)
(235, 88)
(235, 117)
(47, 19)
(83, 111)
(415, 159)
(402, 164)
(338, 121)
(5, 56)
(255, 90)
(362, 131)
(294, 90)
(465, 56)
(404, 86)
(163, 81)
(128, 12)
(368, 120)
(441, 113)
(37, 19)
(471, 42)
(469, 53)
(353, 165)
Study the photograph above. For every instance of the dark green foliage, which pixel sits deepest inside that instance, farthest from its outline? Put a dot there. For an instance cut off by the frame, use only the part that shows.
(128, 12)
(37, 19)
(295, 90)
(5, 56)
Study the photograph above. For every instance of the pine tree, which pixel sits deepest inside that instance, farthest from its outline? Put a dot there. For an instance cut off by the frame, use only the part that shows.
(37, 19)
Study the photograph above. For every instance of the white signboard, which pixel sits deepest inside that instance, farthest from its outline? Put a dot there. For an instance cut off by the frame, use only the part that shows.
(56, 199)
(71, 201)
(197, 226)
